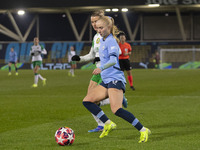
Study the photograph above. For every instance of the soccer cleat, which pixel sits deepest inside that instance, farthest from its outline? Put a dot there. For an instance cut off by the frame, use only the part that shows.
(97, 129)
(132, 87)
(16, 74)
(44, 81)
(144, 135)
(34, 85)
(9, 74)
(108, 128)
(125, 102)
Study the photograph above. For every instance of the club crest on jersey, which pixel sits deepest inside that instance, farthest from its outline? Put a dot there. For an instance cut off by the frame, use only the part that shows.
(113, 47)
(98, 40)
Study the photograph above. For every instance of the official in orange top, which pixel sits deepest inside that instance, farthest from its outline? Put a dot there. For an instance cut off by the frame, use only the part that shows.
(125, 49)
(124, 57)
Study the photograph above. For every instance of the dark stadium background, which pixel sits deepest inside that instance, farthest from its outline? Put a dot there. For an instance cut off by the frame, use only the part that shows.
(159, 27)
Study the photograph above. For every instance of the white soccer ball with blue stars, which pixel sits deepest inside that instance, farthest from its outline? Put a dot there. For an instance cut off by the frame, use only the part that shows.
(64, 136)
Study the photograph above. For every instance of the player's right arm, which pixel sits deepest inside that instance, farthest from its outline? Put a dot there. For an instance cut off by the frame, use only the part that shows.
(90, 56)
(31, 52)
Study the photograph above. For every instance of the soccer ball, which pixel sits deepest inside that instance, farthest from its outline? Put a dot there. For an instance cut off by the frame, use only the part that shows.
(64, 136)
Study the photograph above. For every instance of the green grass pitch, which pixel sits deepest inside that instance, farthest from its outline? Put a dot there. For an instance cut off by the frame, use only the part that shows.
(165, 101)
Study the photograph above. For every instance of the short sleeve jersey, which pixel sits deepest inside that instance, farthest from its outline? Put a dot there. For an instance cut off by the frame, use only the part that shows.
(126, 47)
(109, 47)
(12, 56)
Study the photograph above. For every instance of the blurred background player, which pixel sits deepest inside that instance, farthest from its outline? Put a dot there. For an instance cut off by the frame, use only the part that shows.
(124, 57)
(94, 55)
(157, 60)
(12, 60)
(36, 51)
(71, 53)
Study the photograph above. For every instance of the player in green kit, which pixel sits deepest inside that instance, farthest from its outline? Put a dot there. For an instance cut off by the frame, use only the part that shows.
(94, 55)
(36, 51)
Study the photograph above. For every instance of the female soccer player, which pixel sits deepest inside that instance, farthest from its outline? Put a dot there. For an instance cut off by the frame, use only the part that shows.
(113, 84)
(72, 63)
(12, 60)
(94, 55)
(36, 51)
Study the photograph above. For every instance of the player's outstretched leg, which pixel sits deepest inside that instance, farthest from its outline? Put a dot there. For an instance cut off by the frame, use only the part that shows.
(100, 126)
(97, 111)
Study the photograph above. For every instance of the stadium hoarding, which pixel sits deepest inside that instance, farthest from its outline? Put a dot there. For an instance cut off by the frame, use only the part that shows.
(55, 50)
(56, 57)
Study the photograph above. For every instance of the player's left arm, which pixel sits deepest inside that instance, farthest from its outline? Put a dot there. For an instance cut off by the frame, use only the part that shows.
(113, 51)
(111, 62)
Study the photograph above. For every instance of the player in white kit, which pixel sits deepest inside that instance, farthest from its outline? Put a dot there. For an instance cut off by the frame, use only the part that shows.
(72, 63)
(36, 51)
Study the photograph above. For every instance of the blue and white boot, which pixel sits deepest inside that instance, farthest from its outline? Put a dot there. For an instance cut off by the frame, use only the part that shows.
(97, 129)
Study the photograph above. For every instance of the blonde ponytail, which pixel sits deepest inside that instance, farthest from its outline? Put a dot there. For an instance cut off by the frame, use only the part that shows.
(110, 22)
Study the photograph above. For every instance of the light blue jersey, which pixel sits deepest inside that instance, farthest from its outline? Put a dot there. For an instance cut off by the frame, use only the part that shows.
(109, 56)
(12, 56)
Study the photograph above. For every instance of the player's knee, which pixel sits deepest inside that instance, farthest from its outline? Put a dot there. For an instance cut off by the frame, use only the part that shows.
(88, 99)
(85, 99)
